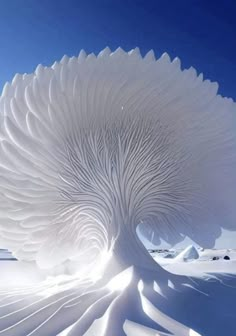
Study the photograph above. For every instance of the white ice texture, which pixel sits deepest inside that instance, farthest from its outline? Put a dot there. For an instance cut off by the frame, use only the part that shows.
(92, 148)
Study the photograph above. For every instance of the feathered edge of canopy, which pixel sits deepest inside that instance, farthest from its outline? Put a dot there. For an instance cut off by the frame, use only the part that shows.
(119, 53)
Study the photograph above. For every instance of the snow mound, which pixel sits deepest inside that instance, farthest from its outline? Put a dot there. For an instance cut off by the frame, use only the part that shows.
(190, 253)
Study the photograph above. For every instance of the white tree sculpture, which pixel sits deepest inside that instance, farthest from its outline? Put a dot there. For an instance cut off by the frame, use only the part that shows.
(92, 148)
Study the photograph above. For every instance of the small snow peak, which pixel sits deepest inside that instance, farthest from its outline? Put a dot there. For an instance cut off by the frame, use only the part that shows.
(190, 253)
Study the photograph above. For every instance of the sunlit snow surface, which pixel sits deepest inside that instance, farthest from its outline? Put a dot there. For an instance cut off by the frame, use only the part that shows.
(203, 301)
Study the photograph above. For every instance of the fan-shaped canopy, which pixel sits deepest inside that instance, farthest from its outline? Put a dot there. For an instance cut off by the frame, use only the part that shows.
(94, 144)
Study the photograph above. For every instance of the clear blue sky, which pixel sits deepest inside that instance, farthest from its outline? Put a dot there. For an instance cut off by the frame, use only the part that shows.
(201, 32)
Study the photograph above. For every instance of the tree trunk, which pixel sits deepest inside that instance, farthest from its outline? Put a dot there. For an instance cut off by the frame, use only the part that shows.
(127, 250)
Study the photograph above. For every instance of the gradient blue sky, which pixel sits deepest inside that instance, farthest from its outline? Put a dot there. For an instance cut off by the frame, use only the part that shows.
(201, 32)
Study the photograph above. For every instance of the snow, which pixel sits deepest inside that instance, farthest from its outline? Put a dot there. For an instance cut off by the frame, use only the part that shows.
(91, 148)
(193, 261)
(190, 253)
(208, 254)
(203, 276)
(201, 268)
